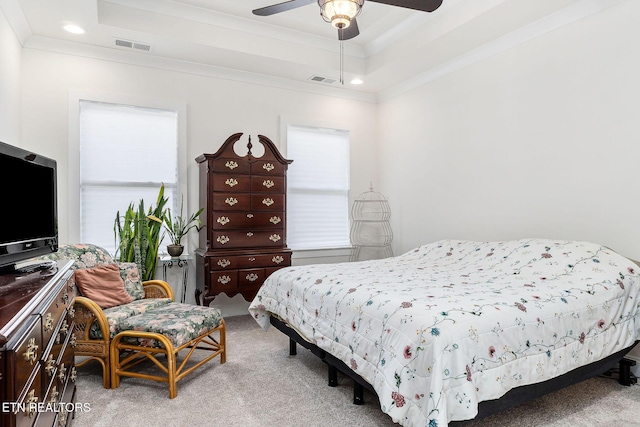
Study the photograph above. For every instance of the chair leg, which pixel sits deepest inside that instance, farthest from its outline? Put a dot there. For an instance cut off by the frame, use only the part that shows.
(106, 367)
(114, 361)
(171, 373)
(223, 342)
(106, 372)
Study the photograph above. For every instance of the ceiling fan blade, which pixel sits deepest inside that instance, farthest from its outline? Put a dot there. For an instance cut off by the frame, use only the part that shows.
(422, 5)
(350, 32)
(281, 7)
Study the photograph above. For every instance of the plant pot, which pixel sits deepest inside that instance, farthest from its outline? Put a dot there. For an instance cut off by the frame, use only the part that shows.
(175, 250)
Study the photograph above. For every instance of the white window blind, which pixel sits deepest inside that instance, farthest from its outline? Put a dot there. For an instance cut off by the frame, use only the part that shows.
(126, 153)
(317, 188)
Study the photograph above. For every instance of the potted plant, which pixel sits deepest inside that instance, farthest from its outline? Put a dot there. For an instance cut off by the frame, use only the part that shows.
(177, 227)
(138, 235)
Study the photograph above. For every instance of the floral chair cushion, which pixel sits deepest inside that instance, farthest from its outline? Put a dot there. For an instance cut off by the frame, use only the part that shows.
(116, 315)
(84, 255)
(132, 281)
(89, 256)
(179, 322)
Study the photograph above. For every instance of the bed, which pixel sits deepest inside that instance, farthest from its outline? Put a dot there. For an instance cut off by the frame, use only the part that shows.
(448, 325)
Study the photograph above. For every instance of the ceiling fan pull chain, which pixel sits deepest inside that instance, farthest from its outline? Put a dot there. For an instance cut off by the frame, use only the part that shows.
(341, 63)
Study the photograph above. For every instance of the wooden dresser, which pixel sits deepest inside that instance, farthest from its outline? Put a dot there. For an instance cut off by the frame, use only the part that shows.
(244, 235)
(37, 372)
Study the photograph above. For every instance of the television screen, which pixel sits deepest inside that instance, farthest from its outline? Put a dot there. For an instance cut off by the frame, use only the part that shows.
(29, 205)
(32, 200)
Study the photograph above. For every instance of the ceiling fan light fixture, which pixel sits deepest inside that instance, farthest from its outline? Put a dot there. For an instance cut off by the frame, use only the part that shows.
(340, 12)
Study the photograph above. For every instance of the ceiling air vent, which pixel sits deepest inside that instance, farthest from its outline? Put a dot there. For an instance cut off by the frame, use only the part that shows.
(132, 45)
(325, 80)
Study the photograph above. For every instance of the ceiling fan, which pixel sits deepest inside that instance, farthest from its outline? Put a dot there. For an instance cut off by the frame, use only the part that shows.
(342, 13)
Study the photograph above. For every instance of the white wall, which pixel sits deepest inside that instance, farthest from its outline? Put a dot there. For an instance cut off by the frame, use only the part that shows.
(541, 140)
(216, 108)
(10, 65)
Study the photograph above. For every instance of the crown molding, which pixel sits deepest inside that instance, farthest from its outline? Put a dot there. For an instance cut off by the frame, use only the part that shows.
(169, 64)
(563, 17)
(217, 19)
(17, 20)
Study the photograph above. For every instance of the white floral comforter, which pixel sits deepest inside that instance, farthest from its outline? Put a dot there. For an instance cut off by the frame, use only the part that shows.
(450, 324)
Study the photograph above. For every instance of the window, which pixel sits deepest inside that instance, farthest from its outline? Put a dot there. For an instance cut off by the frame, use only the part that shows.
(317, 188)
(126, 153)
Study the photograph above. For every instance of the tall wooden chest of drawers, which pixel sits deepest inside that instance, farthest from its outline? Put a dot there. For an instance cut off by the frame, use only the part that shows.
(37, 371)
(243, 239)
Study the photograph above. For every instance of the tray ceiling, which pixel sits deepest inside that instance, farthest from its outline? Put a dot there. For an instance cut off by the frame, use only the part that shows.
(395, 45)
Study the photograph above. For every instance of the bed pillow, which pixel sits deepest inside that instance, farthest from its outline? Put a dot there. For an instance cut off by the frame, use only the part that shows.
(103, 285)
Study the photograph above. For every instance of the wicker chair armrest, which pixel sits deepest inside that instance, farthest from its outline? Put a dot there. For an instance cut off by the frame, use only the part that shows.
(87, 312)
(157, 289)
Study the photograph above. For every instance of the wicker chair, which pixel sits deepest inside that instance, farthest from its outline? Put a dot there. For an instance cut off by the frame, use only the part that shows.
(94, 327)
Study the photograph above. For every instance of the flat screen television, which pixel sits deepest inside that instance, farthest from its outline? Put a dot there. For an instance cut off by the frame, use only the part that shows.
(28, 208)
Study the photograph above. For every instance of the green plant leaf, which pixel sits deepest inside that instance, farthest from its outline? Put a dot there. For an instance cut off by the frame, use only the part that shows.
(177, 226)
(138, 234)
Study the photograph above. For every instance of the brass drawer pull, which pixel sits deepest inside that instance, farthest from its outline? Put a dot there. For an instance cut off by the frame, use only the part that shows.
(250, 234)
(231, 201)
(275, 220)
(74, 375)
(268, 201)
(252, 277)
(223, 240)
(65, 298)
(231, 182)
(231, 164)
(224, 279)
(31, 401)
(72, 312)
(64, 328)
(62, 418)
(268, 183)
(252, 258)
(223, 220)
(274, 237)
(277, 259)
(63, 372)
(268, 167)
(51, 365)
(54, 395)
(31, 355)
(224, 263)
(73, 341)
(48, 323)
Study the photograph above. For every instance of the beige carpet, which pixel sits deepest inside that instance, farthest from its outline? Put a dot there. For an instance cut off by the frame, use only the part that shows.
(261, 385)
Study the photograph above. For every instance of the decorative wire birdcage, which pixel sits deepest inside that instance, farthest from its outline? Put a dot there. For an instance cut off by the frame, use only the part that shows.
(371, 233)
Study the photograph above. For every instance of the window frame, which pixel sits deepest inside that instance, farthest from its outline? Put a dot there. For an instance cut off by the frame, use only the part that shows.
(320, 254)
(75, 96)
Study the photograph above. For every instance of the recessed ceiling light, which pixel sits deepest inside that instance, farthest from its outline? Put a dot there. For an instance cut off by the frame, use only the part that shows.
(74, 29)
(356, 82)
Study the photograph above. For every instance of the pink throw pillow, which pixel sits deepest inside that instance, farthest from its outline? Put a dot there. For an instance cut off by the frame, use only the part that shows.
(103, 285)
